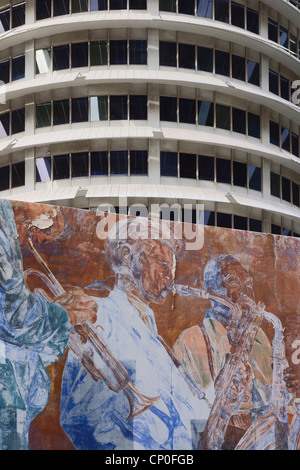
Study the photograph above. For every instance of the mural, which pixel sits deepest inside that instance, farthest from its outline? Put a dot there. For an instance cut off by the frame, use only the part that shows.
(118, 334)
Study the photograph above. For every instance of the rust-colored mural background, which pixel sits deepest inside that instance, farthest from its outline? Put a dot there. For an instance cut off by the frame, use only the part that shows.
(78, 259)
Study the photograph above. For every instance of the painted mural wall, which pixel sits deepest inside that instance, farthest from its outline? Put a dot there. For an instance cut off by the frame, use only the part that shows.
(127, 334)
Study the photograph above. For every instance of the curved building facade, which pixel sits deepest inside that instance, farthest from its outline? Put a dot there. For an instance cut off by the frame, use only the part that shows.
(146, 104)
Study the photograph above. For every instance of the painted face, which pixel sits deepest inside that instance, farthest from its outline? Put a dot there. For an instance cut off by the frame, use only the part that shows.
(157, 271)
(238, 283)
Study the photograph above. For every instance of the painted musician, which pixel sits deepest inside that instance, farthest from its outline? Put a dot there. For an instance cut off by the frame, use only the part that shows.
(202, 348)
(33, 331)
(96, 417)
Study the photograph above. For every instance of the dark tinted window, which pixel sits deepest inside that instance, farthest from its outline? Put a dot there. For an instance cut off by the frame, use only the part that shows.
(186, 56)
(138, 4)
(186, 7)
(286, 189)
(238, 67)
(98, 5)
(61, 57)
(4, 71)
(168, 164)
(138, 107)
(187, 111)
(237, 15)
(18, 15)
(79, 54)
(118, 52)
(168, 109)
(167, 5)
(80, 110)
(223, 220)
(4, 20)
(61, 7)
(223, 116)
(80, 164)
(167, 53)
(205, 113)
(61, 112)
(223, 171)
(252, 21)
(43, 115)
(118, 107)
(43, 9)
(254, 177)
(272, 30)
(239, 121)
(222, 60)
(61, 167)
(137, 52)
(273, 82)
(254, 125)
(274, 133)
(285, 138)
(222, 10)
(255, 225)
(209, 218)
(43, 169)
(295, 144)
(206, 168)
(187, 164)
(4, 178)
(99, 163)
(118, 4)
(18, 121)
(284, 88)
(296, 194)
(253, 72)
(18, 174)
(18, 67)
(204, 8)
(119, 162)
(79, 5)
(240, 174)
(240, 223)
(138, 162)
(205, 57)
(275, 184)
(4, 125)
(98, 52)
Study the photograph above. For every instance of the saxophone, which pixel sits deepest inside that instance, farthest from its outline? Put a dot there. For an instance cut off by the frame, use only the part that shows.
(235, 369)
(272, 431)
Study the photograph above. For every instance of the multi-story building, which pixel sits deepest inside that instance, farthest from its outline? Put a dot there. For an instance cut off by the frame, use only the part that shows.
(140, 103)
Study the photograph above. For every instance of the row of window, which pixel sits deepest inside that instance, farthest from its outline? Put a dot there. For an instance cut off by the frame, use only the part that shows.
(85, 54)
(226, 11)
(209, 60)
(52, 8)
(282, 36)
(12, 17)
(95, 108)
(207, 168)
(12, 176)
(285, 189)
(206, 113)
(12, 69)
(284, 138)
(12, 122)
(280, 85)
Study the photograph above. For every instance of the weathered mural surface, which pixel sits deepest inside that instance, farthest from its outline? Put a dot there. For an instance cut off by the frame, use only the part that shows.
(113, 337)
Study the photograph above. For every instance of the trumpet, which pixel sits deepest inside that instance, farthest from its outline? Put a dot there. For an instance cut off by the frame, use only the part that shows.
(88, 334)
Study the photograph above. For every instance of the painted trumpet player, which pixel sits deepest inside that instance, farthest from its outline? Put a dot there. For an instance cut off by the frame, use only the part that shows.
(115, 336)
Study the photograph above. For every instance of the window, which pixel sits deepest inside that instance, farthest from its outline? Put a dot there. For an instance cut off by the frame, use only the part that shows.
(223, 171)
(4, 20)
(252, 21)
(240, 223)
(118, 107)
(138, 4)
(272, 30)
(205, 113)
(254, 125)
(119, 162)
(99, 108)
(4, 125)
(187, 164)
(206, 168)
(222, 63)
(284, 88)
(79, 5)
(168, 109)
(43, 169)
(4, 178)
(255, 225)
(237, 15)
(118, 52)
(285, 138)
(80, 110)
(209, 218)
(43, 60)
(274, 133)
(61, 112)
(61, 167)
(18, 67)
(18, 174)
(168, 164)
(18, 121)
(253, 72)
(118, 4)
(80, 164)
(205, 59)
(275, 184)
(295, 144)
(167, 5)
(283, 37)
(43, 115)
(240, 174)
(99, 163)
(204, 8)
(61, 7)
(79, 55)
(239, 121)
(167, 53)
(61, 57)
(18, 15)
(138, 162)
(138, 107)
(98, 53)
(186, 56)
(273, 82)
(296, 194)
(275, 229)
(223, 117)
(138, 52)
(5, 71)
(224, 220)
(187, 111)
(43, 9)
(238, 67)
(286, 189)
(222, 10)
(186, 7)
(254, 177)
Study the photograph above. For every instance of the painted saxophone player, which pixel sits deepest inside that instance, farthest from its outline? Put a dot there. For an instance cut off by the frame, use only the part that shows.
(247, 380)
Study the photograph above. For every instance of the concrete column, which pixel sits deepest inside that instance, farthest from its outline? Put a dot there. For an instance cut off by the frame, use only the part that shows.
(30, 11)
